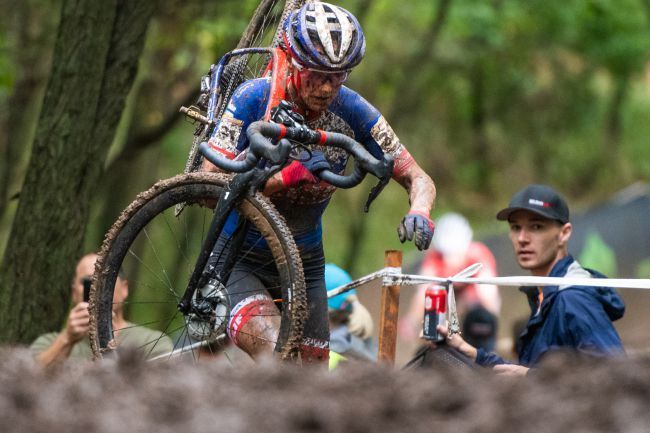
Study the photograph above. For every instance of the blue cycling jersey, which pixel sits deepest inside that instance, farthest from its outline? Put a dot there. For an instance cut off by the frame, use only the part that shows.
(303, 206)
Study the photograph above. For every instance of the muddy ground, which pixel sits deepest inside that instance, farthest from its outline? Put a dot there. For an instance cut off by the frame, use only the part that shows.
(131, 396)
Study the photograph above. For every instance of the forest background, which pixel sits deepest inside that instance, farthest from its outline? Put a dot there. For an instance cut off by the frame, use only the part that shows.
(487, 95)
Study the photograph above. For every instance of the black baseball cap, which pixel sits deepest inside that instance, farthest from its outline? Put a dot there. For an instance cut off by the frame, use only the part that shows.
(542, 200)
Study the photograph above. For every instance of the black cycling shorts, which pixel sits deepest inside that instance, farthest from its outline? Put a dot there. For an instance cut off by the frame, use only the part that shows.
(255, 274)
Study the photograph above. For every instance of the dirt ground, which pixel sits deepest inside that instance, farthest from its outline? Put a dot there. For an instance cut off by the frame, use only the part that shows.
(566, 395)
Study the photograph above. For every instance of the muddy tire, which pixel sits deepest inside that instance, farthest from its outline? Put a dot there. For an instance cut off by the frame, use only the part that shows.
(157, 251)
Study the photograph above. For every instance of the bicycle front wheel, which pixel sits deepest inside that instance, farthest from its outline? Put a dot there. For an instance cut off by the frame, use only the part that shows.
(157, 251)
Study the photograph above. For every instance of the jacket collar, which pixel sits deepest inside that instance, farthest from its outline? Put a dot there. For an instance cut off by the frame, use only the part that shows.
(559, 270)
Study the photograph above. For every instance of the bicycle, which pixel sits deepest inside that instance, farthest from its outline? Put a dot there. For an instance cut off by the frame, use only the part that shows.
(202, 309)
(216, 89)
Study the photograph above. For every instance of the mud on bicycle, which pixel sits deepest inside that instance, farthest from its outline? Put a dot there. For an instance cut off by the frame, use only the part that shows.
(198, 301)
(203, 308)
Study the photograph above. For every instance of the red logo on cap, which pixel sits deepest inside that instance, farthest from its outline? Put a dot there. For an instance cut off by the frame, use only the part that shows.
(538, 202)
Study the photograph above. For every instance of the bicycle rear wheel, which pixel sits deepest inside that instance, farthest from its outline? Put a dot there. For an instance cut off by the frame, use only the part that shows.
(157, 250)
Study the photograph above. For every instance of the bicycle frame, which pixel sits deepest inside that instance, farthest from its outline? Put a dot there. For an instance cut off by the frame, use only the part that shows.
(277, 68)
(241, 183)
(254, 179)
(235, 191)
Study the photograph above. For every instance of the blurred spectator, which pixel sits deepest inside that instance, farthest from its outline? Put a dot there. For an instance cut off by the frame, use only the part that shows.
(454, 250)
(350, 322)
(73, 342)
(480, 328)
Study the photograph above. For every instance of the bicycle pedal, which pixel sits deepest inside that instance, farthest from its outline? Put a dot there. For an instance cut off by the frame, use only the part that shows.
(194, 114)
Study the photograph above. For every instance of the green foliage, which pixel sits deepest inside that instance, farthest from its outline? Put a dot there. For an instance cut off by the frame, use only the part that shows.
(615, 34)
(596, 254)
(643, 270)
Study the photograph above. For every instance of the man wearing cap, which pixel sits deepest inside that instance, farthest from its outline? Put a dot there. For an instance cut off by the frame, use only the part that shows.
(575, 317)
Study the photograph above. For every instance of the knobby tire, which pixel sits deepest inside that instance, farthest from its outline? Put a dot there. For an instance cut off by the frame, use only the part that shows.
(193, 189)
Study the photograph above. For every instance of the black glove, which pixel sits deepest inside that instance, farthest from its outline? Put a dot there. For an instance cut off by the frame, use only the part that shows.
(417, 227)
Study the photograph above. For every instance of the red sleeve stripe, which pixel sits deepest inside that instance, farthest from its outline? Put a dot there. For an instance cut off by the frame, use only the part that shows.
(402, 163)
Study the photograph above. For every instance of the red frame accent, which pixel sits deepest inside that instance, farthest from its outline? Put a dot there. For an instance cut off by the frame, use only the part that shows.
(278, 68)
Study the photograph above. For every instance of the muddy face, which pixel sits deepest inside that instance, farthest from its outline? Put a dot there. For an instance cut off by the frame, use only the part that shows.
(317, 89)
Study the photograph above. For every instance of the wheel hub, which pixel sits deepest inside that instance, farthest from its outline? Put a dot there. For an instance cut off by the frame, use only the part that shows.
(208, 316)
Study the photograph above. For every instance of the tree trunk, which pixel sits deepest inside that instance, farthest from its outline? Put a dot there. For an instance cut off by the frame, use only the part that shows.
(614, 120)
(95, 59)
(32, 26)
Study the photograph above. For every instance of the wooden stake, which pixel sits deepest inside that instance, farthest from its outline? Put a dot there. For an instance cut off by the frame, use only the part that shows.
(389, 308)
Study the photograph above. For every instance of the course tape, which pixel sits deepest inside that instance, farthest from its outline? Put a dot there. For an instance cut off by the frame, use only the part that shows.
(391, 276)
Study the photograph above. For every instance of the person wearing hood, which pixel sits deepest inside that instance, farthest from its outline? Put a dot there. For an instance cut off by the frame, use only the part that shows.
(562, 317)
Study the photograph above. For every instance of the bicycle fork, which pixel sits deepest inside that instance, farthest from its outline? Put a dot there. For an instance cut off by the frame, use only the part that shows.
(232, 193)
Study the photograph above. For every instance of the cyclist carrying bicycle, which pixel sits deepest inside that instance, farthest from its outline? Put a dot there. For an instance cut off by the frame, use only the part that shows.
(323, 43)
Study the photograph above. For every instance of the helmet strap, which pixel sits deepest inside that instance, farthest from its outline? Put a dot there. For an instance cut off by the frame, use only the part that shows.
(294, 95)
(294, 76)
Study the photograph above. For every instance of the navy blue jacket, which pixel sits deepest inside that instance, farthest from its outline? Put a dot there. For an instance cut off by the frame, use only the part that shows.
(578, 317)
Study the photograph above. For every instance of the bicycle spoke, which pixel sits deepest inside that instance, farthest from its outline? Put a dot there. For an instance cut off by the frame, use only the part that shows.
(146, 244)
(257, 337)
(249, 249)
(147, 267)
(178, 244)
(143, 302)
(188, 335)
(175, 350)
(138, 286)
(251, 272)
(162, 267)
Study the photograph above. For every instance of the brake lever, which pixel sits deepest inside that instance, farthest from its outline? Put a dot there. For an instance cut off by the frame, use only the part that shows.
(387, 169)
(375, 191)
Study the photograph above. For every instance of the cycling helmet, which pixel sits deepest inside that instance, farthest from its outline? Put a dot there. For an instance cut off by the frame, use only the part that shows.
(324, 37)
(453, 234)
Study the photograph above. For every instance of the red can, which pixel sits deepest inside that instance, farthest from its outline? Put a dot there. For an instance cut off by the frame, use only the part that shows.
(435, 307)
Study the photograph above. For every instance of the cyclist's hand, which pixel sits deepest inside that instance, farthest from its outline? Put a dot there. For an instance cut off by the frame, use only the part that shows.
(301, 172)
(418, 227)
(78, 322)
